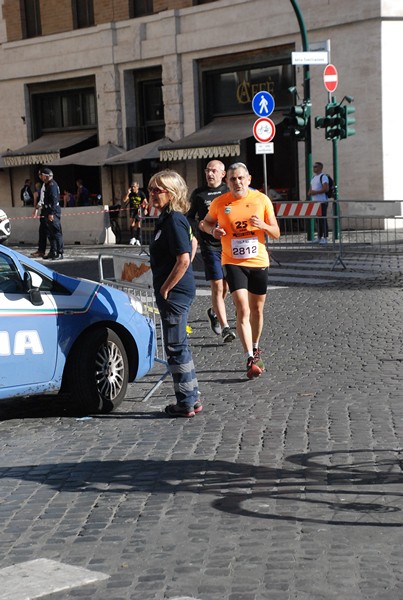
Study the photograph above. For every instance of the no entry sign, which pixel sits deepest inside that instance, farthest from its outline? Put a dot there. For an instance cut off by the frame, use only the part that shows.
(330, 78)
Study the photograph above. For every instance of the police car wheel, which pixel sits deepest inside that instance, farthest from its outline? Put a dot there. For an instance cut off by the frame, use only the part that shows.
(99, 371)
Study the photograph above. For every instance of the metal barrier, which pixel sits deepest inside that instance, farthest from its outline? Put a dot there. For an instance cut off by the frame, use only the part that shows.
(374, 227)
(147, 230)
(131, 273)
(369, 226)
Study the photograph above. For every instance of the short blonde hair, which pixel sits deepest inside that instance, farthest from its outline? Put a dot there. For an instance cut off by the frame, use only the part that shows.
(173, 183)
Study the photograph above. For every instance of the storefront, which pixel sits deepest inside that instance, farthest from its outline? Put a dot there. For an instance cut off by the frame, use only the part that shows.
(227, 86)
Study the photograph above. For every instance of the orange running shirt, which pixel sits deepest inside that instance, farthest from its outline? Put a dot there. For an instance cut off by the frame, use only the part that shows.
(243, 244)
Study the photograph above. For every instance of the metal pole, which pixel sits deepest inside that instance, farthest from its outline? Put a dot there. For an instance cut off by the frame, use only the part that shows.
(337, 230)
(307, 99)
(336, 208)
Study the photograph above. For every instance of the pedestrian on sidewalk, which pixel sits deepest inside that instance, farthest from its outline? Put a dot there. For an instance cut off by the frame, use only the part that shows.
(138, 206)
(174, 285)
(242, 218)
(318, 189)
(210, 247)
(26, 194)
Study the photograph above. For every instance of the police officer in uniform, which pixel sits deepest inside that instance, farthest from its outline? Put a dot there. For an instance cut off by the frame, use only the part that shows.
(52, 214)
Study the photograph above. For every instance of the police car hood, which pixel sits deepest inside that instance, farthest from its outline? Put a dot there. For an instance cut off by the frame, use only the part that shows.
(84, 292)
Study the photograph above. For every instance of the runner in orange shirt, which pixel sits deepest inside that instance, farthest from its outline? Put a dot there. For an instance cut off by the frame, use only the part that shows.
(242, 218)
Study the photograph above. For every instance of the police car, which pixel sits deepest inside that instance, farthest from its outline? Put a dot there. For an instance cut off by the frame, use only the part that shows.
(5, 228)
(64, 334)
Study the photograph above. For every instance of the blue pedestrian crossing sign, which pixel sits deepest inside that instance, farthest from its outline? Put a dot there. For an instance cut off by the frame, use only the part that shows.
(263, 104)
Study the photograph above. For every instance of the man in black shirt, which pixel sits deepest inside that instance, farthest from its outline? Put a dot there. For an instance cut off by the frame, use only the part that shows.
(210, 248)
(26, 194)
(138, 206)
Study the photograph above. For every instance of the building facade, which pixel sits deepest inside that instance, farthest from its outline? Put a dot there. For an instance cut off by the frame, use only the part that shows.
(80, 73)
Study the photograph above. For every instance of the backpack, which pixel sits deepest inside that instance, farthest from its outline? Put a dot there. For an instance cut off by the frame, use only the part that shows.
(330, 191)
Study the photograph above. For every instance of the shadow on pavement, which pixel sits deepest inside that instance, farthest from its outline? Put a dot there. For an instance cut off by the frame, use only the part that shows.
(351, 489)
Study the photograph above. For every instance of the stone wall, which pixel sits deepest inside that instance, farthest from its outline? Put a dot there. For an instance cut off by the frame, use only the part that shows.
(364, 49)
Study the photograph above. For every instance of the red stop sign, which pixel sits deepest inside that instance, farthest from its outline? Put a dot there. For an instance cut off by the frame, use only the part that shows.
(330, 78)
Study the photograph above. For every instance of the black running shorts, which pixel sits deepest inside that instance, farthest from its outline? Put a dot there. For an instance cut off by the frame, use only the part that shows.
(253, 279)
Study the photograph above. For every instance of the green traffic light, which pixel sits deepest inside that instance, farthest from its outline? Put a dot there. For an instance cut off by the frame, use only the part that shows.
(346, 120)
(297, 120)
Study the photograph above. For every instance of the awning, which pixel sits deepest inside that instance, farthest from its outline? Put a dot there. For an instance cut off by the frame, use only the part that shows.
(93, 157)
(219, 139)
(45, 149)
(146, 152)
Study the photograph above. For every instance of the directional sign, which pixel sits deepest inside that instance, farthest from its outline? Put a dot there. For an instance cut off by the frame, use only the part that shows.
(330, 78)
(309, 58)
(263, 104)
(264, 130)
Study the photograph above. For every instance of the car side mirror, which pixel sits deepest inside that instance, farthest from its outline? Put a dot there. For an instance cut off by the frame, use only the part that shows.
(34, 293)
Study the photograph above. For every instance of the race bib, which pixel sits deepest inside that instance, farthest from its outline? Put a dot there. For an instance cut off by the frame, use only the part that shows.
(245, 247)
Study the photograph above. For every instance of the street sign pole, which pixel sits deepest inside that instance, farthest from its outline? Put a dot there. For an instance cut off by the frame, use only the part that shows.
(307, 99)
(265, 173)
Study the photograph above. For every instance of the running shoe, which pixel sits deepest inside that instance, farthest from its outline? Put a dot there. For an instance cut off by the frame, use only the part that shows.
(252, 370)
(214, 322)
(176, 410)
(228, 335)
(257, 358)
(198, 407)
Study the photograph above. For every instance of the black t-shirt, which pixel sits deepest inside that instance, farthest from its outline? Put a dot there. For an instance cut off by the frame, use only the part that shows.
(26, 195)
(135, 199)
(172, 237)
(200, 201)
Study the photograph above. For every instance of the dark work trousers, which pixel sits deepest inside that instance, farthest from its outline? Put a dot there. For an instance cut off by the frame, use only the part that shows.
(43, 234)
(323, 228)
(55, 236)
(180, 361)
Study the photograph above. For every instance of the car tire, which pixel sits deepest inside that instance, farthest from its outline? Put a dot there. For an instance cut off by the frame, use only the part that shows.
(98, 371)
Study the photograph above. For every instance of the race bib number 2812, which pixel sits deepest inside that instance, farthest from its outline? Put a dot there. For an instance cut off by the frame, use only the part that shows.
(244, 248)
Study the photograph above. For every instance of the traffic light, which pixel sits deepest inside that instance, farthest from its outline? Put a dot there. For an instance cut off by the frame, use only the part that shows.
(346, 121)
(320, 122)
(333, 121)
(296, 121)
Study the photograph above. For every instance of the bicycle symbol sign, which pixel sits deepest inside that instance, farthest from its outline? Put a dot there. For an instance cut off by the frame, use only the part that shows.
(264, 130)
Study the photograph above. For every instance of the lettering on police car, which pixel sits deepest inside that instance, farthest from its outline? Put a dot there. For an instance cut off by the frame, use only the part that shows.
(24, 341)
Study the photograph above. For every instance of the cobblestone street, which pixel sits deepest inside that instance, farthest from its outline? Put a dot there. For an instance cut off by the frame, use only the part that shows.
(288, 487)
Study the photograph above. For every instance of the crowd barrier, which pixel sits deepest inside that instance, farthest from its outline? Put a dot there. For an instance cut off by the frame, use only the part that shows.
(374, 227)
(147, 230)
(81, 225)
(130, 271)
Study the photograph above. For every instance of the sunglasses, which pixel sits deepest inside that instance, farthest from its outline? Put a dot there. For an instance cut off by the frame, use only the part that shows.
(156, 190)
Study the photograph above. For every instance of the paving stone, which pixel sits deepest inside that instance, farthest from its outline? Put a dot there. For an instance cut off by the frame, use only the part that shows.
(287, 487)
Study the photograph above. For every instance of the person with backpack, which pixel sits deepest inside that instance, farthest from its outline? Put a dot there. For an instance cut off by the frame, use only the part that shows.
(26, 194)
(319, 190)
